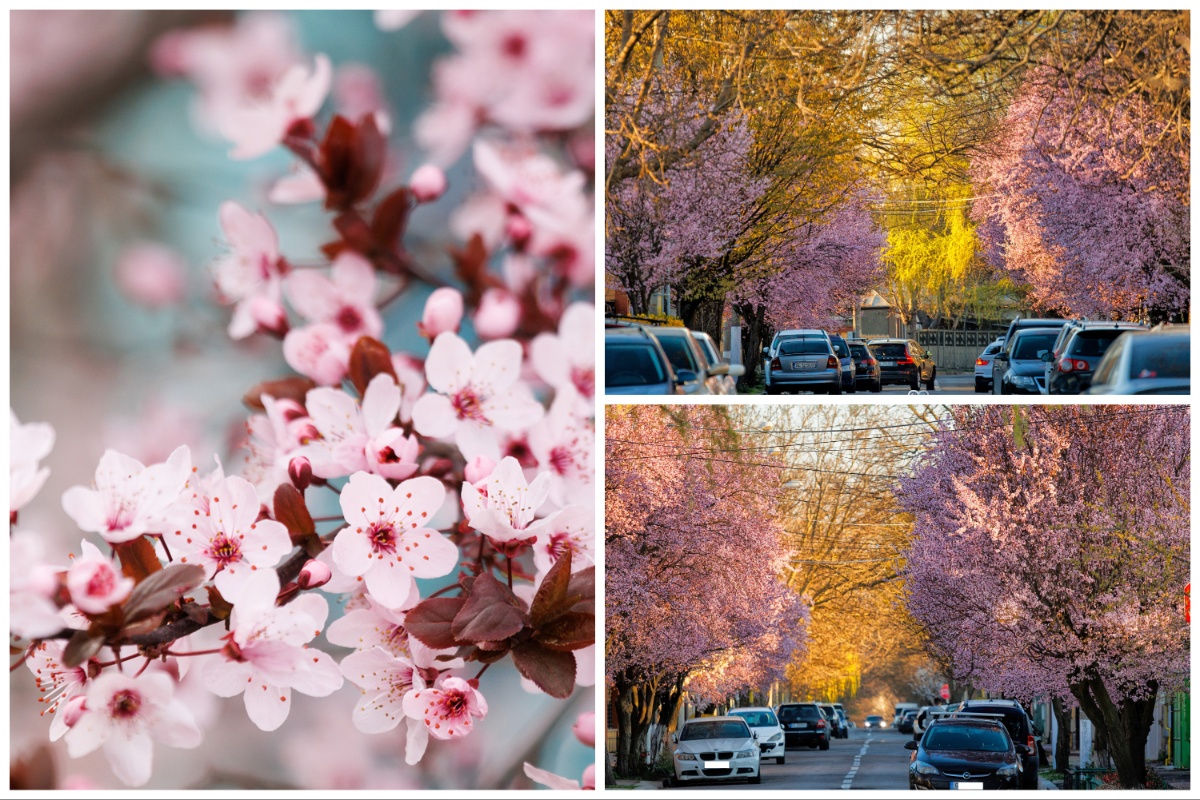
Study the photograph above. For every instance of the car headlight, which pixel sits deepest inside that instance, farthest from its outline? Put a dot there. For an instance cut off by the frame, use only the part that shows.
(746, 754)
(1008, 771)
(686, 756)
(777, 737)
(923, 768)
(1022, 380)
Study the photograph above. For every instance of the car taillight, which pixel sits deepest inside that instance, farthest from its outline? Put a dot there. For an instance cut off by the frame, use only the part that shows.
(905, 362)
(833, 362)
(1030, 741)
(981, 362)
(1079, 365)
(775, 364)
(868, 362)
(820, 724)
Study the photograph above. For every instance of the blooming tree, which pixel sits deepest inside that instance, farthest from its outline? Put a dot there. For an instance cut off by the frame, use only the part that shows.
(1074, 202)
(1050, 556)
(693, 557)
(467, 461)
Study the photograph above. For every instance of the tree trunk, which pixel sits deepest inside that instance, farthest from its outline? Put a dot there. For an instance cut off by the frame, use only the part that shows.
(637, 702)
(753, 328)
(1062, 745)
(1124, 727)
(703, 315)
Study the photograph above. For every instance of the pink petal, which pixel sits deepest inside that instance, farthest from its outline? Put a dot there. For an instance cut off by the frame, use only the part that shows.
(549, 779)
(363, 500)
(267, 705)
(225, 678)
(476, 440)
(417, 740)
(388, 586)
(434, 416)
(381, 402)
(449, 366)
(352, 551)
(317, 675)
(497, 366)
(175, 726)
(514, 410)
(311, 294)
(355, 278)
(85, 507)
(131, 756)
(247, 232)
(432, 557)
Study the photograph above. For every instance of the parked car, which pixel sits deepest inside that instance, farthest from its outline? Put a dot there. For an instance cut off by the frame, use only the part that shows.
(715, 749)
(847, 724)
(846, 360)
(899, 712)
(1020, 729)
(726, 373)
(837, 729)
(635, 363)
(805, 362)
(904, 361)
(965, 753)
(804, 724)
(685, 355)
(772, 351)
(905, 725)
(998, 366)
(1146, 362)
(866, 366)
(983, 366)
(874, 721)
(1025, 371)
(1078, 352)
(765, 725)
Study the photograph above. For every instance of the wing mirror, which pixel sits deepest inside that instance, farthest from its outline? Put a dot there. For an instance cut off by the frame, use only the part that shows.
(718, 369)
(766, 352)
(911, 745)
(685, 376)
(1023, 749)
(1046, 355)
(736, 370)
(1001, 357)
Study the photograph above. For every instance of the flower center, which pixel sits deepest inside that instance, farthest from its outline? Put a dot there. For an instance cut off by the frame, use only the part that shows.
(467, 405)
(224, 550)
(383, 538)
(124, 704)
(454, 704)
(348, 319)
(584, 380)
(561, 543)
(514, 46)
(560, 460)
(101, 583)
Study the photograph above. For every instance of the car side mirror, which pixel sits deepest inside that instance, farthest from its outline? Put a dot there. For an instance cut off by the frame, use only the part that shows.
(754, 735)
(1046, 356)
(911, 745)
(685, 376)
(1023, 749)
(736, 370)
(718, 369)
(766, 352)
(1002, 356)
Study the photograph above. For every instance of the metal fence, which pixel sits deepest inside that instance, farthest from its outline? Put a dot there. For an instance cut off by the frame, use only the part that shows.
(955, 350)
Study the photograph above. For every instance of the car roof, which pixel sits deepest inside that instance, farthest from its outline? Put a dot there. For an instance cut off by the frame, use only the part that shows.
(977, 722)
(725, 718)
(750, 708)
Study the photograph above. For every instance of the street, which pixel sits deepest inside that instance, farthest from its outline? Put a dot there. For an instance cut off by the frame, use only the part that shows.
(869, 759)
(963, 383)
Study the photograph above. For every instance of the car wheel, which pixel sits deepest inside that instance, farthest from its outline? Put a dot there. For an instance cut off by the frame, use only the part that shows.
(853, 388)
(932, 379)
(980, 386)
(825, 745)
(779, 760)
(915, 383)
(772, 390)
(836, 388)
(668, 782)
(755, 779)
(878, 386)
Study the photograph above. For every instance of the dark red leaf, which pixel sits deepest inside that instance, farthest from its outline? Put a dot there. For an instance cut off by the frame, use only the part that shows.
(291, 510)
(429, 621)
(81, 646)
(367, 159)
(335, 161)
(282, 389)
(581, 591)
(552, 671)
(138, 558)
(33, 771)
(572, 631)
(470, 265)
(391, 218)
(551, 596)
(355, 231)
(492, 613)
(162, 589)
(370, 357)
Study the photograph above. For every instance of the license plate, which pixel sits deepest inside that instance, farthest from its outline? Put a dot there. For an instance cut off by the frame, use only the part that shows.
(887, 363)
(725, 765)
(967, 785)
(803, 364)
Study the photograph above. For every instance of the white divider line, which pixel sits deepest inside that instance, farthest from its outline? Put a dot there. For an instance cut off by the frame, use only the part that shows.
(856, 764)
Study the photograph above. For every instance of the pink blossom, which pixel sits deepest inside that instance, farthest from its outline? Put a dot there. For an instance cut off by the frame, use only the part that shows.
(62, 688)
(571, 528)
(564, 446)
(32, 586)
(477, 470)
(266, 654)
(498, 314)
(219, 530)
(374, 626)
(314, 574)
(27, 445)
(354, 438)
(443, 312)
(449, 708)
(358, 92)
(428, 183)
(549, 779)
(385, 678)
(251, 275)
(271, 439)
(585, 728)
(301, 185)
(507, 511)
(151, 275)
(568, 358)
(126, 716)
(95, 585)
(476, 393)
(346, 299)
(386, 541)
(130, 499)
(296, 97)
(319, 351)
(410, 375)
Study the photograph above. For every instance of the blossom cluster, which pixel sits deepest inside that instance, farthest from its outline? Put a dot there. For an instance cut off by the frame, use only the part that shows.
(468, 461)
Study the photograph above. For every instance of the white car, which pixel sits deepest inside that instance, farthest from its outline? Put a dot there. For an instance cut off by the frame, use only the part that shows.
(766, 727)
(725, 381)
(983, 366)
(715, 749)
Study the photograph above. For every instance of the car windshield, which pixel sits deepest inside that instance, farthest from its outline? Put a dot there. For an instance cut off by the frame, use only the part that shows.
(757, 719)
(1030, 345)
(805, 346)
(874, 718)
(787, 713)
(1093, 344)
(1156, 357)
(632, 365)
(678, 352)
(715, 729)
(891, 349)
(965, 737)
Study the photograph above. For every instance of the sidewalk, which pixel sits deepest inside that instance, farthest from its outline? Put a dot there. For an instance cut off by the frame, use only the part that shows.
(1178, 778)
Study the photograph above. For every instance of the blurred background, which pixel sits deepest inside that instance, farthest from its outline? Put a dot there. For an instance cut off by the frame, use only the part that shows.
(117, 341)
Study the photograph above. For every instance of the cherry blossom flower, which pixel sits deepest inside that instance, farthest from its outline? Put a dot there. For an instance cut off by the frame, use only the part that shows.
(385, 678)
(506, 512)
(374, 626)
(94, 584)
(498, 314)
(27, 445)
(585, 728)
(126, 716)
(151, 275)
(271, 440)
(443, 312)
(354, 438)
(219, 530)
(571, 528)
(296, 97)
(386, 543)
(346, 299)
(130, 499)
(301, 185)
(410, 374)
(318, 351)
(32, 585)
(476, 394)
(58, 683)
(564, 446)
(449, 708)
(266, 656)
(568, 358)
(251, 275)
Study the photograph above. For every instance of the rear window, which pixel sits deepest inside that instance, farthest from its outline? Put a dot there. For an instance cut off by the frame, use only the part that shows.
(709, 352)
(860, 351)
(787, 713)
(1156, 357)
(757, 719)
(1092, 344)
(678, 352)
(805, 346)
(632, 365)
(891, 349)
(993, 348)
(1029, 346)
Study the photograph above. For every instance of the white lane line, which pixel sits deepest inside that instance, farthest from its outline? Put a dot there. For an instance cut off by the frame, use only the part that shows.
(856, 764)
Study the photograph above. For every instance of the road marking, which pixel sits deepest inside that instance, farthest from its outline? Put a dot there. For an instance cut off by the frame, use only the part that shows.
(856, 764)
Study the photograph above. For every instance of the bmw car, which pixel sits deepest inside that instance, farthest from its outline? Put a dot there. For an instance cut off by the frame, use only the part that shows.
(715, 749)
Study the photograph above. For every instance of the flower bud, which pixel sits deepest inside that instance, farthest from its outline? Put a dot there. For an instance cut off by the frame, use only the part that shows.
(428, 183)
(519, 231)
(269, 315)
(585, 728)
(589, 777)
(498, 315)
(313, 574)
(478, 468)
(300, 472)
(151, 275)
(73, 709)
(443, 312)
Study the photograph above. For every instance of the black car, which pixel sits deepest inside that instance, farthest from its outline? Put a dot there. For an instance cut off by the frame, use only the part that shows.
(837, 728)
(904, 361)
(804, 724)
(1019, 727)
(1025, 371)
(866, 366)
(966, 753)
(905, 725)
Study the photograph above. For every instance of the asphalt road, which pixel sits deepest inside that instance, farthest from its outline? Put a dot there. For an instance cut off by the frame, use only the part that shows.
(869, 759)
(943, 385)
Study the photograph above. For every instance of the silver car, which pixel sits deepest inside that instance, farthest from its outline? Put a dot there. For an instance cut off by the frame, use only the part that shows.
(1146, 362)
(983, 366)
(769, 353)
(806, 363)
(685, 355)
(715, 749)
(726, 374)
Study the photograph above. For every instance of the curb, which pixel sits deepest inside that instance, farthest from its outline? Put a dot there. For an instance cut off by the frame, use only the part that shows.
(1044, 784)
